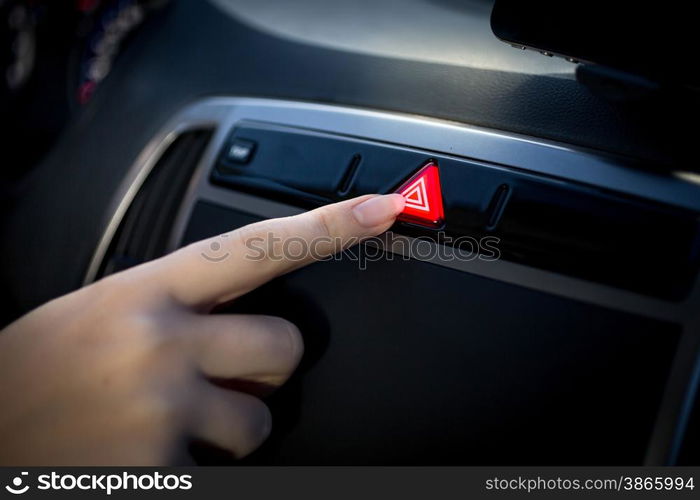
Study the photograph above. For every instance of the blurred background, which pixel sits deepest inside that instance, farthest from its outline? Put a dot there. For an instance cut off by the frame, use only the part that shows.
(54, 54)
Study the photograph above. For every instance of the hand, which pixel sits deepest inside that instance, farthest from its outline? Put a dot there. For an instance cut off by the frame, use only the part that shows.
(120, 372)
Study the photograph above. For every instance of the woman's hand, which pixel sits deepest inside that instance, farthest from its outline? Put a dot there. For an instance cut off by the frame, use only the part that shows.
(118, 372)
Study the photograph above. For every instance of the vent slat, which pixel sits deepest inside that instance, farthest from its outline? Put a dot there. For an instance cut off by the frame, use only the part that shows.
(144, 231)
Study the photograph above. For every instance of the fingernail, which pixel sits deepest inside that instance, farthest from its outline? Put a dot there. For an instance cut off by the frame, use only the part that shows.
(379, 209)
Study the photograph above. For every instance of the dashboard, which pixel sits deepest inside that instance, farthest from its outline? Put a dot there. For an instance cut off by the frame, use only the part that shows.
(579, 345)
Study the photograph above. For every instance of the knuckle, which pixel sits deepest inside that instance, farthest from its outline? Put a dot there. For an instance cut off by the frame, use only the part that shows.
(119, 289)
(144, 342)
(323, 220)
(161, 415)
(145, 325)
(145, 336)
(253, 232)
(258, 241)
(242, 237)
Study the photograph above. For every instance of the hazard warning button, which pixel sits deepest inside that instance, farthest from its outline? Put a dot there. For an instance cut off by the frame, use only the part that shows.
(423, 197)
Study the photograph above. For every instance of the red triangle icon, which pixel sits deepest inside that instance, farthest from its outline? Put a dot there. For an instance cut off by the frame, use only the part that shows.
(423, 197)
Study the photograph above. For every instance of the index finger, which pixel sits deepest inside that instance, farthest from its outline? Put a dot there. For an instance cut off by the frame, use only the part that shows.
(262, 251)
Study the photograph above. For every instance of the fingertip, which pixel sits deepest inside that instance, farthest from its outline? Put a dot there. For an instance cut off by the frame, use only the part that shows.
(399, 202)
(378, 210)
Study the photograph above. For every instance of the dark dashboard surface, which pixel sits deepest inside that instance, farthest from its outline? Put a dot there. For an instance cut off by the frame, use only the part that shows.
(550, 364)
(452, 368)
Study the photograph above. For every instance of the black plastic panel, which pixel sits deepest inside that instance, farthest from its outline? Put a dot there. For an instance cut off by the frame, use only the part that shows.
(543, 222)
(309, 168)
(690, 448)
(430, 365)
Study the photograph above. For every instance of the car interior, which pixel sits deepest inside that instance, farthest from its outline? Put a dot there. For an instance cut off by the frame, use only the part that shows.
(135, 127)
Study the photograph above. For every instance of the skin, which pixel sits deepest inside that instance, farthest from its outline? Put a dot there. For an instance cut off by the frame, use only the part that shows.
(119, 372)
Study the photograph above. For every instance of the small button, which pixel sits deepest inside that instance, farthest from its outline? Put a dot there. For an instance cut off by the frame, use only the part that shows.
(240, 151)
(423, 198)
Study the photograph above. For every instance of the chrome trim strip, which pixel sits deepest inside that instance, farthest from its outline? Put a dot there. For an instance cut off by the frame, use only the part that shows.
(130, 186)
(535, 155)
(135, 177)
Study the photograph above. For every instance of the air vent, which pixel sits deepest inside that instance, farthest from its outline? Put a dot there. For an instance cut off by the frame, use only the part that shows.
(144, 230)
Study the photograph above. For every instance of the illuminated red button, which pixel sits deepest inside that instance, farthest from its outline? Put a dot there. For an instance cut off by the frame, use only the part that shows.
(423, 198)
